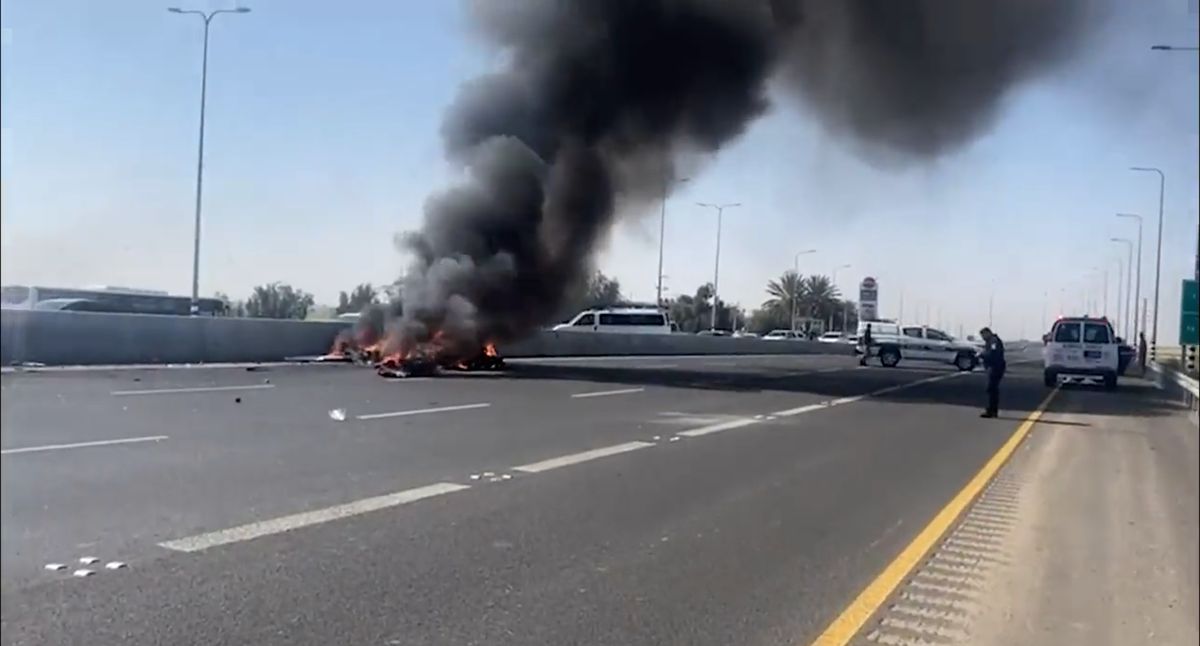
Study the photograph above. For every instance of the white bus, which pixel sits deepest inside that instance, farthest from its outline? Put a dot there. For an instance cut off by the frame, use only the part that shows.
(105, 299)
(626, 320)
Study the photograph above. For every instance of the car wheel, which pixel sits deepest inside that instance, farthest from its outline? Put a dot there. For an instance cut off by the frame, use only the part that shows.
(1050, 378)
(964, 362)
(889, 357)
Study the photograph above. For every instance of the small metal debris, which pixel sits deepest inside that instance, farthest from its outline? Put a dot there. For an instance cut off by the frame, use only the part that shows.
(55, 567)
(82, 573)
(338, 414)
(114, 565)
(656, 438)
(474, 476)
(493, 479)
(674, 438)
(488, 474)
(506, 476)
(88, 560)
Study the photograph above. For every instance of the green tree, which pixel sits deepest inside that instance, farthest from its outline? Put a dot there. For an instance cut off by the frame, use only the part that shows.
(358, 299)
(232, 307)
(694, 313)
(602, 291)
(278, 301)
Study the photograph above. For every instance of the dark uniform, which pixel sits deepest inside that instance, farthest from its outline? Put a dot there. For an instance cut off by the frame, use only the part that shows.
(993, 361)
(866, 345)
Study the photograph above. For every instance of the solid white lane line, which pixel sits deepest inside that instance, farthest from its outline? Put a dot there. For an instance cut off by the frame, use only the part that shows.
(606, 393)
(846, 400)
(198, 389)
(305, 519)
(583, 456)
(423, 411)
(80, 445)
(800, 410)
(717, 428)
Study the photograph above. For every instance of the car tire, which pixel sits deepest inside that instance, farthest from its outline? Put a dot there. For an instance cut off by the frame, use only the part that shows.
(889, 357)
(1050, 378)
(1110, 381)
(964, 362)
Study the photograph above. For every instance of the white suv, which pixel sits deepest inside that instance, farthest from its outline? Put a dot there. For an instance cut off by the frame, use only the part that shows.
(1080, 350)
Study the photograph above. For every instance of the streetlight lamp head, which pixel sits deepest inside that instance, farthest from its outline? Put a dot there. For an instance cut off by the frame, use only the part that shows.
(174, 9)
(242, 10)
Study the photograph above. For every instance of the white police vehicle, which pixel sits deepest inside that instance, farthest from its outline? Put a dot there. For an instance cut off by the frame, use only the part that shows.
(1081, 350)
(893, 343)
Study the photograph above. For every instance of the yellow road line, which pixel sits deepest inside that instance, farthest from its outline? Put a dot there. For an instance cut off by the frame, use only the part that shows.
(851, 620)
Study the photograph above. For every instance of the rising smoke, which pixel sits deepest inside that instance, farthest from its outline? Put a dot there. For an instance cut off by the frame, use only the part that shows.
(596, 99)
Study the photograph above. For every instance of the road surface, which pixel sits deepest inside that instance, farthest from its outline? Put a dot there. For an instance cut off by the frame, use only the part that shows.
(668, 500)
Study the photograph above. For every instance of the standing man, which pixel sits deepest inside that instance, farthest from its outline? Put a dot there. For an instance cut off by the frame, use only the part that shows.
(866, 345)
(993, 360)
(1142, 351)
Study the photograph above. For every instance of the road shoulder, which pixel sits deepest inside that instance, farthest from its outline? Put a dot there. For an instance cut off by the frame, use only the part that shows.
(1087, 536)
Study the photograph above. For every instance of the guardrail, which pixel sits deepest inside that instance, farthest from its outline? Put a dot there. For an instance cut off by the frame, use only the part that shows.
(85, 338)
(1173, 380)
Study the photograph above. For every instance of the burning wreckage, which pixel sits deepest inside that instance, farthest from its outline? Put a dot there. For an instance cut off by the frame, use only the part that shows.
(395, 359)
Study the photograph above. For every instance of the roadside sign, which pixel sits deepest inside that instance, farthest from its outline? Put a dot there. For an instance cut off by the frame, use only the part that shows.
(1189, 314)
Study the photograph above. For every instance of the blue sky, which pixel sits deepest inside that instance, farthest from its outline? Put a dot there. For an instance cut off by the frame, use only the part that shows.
(323, 142)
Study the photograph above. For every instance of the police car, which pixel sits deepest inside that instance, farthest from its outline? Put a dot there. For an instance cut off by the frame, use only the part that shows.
(1081, 350)
(891, 343)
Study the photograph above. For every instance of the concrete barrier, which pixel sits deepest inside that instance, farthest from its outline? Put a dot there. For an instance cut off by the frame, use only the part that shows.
(85, 338)
(589, 344)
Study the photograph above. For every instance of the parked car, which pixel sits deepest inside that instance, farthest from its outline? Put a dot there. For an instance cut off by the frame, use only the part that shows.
(783, 335)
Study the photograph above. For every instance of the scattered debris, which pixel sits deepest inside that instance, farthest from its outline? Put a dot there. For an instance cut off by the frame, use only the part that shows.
(338, 414)
(55, 567)
(489, 474)
(656, 438)
(81, 572)
(506, 476)
(474, 476)
(114, 565)
(88, 560)
(674, 438)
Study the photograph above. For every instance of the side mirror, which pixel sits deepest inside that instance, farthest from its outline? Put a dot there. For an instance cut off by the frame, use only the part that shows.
(1045, 338)
(1120, 341)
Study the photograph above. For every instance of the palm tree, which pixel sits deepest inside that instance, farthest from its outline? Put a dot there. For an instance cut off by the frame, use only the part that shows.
(787, 295)
(820, 296)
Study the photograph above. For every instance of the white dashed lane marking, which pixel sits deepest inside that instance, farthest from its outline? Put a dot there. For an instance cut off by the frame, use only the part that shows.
(423, 411)
(198, 389)
(305, 519)
(583, 456)
(606, 393)
(82, 445)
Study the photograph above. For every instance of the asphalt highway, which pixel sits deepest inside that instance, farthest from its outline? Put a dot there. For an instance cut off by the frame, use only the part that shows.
(652, 500)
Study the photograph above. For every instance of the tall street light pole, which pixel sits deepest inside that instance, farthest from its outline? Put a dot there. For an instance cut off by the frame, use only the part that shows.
(207, 18)
(1128, 280)
(1137, 296)
(833, 280)
(720, 209)
(796, 289)
(1162, 183)
(662, 233)
(1173, 48)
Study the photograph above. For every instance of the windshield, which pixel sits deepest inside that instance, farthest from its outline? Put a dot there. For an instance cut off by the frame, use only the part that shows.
(383, 323)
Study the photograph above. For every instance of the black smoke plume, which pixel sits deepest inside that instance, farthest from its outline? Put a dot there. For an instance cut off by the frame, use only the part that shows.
(596, 99)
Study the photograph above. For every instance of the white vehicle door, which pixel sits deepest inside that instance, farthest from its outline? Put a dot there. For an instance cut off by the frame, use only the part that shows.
(912, 340)
(1099, 348)
(938, 345)
(585, 323)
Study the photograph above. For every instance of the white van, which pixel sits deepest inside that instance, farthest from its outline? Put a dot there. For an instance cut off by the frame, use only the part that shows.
(625, 320)
(1080, 350)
